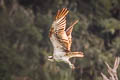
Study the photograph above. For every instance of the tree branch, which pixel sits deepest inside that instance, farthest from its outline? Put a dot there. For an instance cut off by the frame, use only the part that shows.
(112, 71)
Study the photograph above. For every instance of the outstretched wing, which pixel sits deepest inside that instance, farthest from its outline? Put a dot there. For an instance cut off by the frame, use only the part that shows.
(57, 32)
(69, 33)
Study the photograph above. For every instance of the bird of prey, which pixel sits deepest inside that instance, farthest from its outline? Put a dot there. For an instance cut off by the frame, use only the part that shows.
(61, 39)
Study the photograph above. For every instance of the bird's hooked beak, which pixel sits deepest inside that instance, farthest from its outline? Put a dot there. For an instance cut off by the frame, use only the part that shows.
(50, 58)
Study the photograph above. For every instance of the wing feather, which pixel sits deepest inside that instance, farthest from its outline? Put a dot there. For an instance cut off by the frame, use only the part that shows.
(57, 32)
(69, 32)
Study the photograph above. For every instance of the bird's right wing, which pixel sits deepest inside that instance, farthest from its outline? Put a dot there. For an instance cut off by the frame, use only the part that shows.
(69, 32)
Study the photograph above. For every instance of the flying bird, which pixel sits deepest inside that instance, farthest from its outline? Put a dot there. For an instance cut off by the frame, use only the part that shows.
(61, 39)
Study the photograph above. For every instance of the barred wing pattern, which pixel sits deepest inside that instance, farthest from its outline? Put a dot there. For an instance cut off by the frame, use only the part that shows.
(57, 32)
(60, 38)
(69, 33)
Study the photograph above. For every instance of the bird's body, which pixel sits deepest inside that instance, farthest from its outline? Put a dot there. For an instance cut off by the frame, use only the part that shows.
(61, 39)
(58, 53)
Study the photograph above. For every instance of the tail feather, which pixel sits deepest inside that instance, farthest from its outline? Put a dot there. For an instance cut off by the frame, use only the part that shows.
(75, 54)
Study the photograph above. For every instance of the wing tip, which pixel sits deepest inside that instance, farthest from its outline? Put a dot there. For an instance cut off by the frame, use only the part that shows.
(76, 21)
(61, 13)
(69, 29)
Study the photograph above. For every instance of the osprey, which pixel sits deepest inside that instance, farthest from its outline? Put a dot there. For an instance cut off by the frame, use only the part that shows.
(61, 39)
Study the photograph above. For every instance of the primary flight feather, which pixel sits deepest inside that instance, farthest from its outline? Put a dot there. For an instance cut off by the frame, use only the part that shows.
(61, 39)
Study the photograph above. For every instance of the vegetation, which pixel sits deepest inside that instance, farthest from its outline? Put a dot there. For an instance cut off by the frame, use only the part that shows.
(24, 42)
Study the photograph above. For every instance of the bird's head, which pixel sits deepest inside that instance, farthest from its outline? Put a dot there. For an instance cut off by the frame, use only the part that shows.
(50, 58)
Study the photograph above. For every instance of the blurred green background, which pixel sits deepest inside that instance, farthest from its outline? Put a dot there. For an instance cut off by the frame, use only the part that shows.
(25, 46)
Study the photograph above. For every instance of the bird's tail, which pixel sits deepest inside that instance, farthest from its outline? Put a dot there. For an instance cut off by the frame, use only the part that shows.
(75, 54)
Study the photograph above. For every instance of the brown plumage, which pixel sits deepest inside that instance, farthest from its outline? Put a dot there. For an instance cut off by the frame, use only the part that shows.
(61, 38)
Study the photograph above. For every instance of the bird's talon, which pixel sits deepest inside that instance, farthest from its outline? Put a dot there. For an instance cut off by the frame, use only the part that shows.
(72, 66)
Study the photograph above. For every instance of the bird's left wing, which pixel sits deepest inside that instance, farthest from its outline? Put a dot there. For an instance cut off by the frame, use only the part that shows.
(58, 29)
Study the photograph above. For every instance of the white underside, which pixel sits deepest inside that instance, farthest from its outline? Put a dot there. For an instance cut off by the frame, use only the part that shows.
(56, 44)
(58, 54)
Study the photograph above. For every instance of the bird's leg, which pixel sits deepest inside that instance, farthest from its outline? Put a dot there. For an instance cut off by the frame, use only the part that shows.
(71, 65)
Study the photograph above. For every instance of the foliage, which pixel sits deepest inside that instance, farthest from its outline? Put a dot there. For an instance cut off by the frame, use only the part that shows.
(24, 42)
